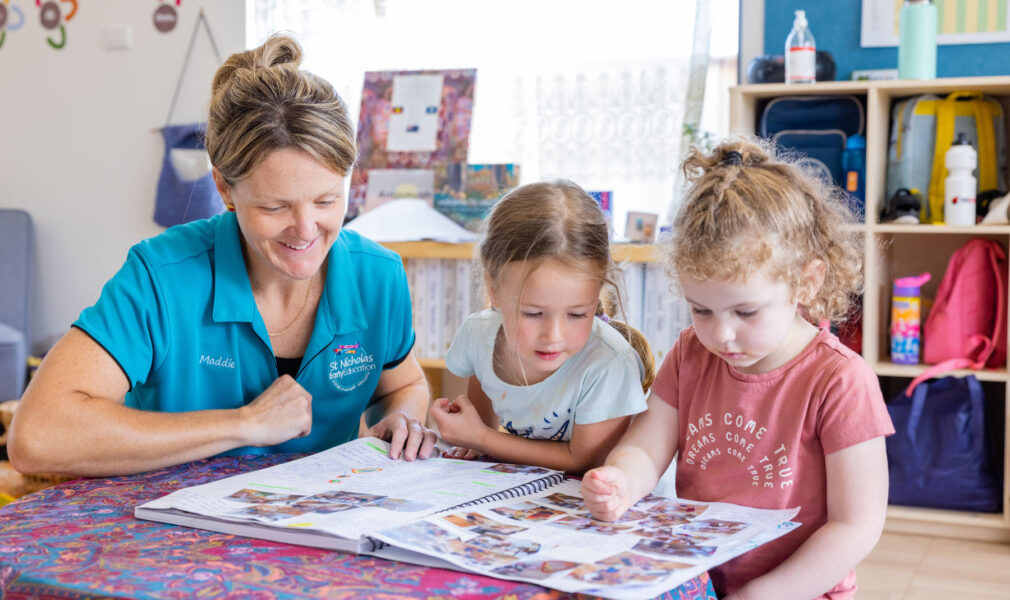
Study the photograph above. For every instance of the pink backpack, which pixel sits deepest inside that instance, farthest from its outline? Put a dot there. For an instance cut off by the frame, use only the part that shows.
(967, 326)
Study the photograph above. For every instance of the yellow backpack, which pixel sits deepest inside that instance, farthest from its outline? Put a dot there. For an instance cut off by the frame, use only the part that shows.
(922, 129)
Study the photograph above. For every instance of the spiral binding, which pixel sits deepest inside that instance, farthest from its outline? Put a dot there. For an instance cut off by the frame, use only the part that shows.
(518, 491)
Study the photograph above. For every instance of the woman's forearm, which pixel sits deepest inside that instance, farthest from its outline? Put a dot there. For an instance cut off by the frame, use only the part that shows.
(99, 437)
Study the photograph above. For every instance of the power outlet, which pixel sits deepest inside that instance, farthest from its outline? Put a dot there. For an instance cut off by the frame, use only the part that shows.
(117, 37)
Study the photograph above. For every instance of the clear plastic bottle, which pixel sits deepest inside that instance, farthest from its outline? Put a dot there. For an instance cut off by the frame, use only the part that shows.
(960, 186)
(905, 314)
(801, 52)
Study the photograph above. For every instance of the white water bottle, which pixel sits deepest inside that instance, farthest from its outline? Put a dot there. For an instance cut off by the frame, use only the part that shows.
(801, 52)
(960, 186)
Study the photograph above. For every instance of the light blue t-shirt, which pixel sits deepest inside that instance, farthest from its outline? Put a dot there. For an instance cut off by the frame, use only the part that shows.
(180, 319)
(602, 381)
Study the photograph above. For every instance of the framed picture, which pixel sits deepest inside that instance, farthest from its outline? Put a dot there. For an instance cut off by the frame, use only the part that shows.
(958, 22)
(410, 120)
(606, 205)
(641, 226)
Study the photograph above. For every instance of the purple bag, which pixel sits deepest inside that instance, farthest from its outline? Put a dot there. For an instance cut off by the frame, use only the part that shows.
(938, 456)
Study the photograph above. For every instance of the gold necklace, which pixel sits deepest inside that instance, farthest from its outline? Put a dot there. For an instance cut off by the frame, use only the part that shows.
(305, 303)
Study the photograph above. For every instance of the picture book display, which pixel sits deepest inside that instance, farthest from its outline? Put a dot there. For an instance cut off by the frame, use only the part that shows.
(394, 184)
(466, 192)
(508, 521)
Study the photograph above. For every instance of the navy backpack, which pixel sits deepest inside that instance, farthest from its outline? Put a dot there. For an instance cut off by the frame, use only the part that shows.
(815, 127)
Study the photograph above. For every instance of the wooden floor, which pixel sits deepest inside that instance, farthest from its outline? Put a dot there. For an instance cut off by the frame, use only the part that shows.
(917, 567)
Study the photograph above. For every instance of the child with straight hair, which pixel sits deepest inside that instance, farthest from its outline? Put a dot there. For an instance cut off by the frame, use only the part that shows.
(762, 408)
(545, 362)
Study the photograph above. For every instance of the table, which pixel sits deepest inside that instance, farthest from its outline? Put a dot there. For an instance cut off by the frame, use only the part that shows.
(79, 539)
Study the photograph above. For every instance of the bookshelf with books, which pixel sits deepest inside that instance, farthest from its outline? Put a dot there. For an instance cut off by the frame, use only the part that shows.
(439, 270)
(896, 250)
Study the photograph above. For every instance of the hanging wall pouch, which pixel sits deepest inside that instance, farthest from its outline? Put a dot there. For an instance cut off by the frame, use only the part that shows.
(186, 190)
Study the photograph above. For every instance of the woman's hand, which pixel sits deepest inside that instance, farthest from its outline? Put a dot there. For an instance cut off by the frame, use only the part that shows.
(458, 422)
(605, 490)
(282, 412)
(406, 435)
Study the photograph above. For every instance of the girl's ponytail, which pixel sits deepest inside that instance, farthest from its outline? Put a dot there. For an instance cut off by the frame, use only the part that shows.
(605, 311)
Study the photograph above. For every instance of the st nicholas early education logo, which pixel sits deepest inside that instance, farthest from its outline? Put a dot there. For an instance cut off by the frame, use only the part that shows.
(351, 367)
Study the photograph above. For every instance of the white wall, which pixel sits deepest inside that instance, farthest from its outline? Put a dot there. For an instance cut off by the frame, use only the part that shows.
(752, 34)
(76, 144)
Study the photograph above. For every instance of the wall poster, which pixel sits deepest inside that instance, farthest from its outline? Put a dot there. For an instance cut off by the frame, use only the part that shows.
(411, 120)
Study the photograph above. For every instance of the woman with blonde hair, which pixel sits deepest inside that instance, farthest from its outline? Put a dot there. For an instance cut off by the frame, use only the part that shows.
(267, 328)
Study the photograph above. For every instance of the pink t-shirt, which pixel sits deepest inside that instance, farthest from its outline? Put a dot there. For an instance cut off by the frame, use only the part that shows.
(760, 440)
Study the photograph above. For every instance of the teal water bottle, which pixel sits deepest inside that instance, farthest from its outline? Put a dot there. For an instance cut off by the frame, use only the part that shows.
(854, 165)
(917, 40)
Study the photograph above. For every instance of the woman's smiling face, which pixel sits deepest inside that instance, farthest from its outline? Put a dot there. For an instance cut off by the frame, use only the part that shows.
(290, 210)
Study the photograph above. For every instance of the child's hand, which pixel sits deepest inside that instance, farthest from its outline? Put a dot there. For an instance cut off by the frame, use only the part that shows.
(461, 453)
(605, 490)
(458, 422)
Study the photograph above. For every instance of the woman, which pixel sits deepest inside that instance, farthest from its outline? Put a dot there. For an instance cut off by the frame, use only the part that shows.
(265, 329)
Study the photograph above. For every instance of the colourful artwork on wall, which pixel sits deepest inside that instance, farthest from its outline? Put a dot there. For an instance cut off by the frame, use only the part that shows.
(51, 16)
(165, 16)
(411, 120)
(11, 19)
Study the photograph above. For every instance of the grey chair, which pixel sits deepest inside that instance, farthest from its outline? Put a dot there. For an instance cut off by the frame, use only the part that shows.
(17, 246)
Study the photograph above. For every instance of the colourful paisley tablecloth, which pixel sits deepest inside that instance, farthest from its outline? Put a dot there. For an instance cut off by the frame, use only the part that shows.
(80, 540)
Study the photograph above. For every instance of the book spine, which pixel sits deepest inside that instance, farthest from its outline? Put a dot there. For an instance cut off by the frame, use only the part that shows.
(420, 323)
(653, 325)
(450, 318)
(435, 297)
(464, 291)
(415, 301)
(632, 295)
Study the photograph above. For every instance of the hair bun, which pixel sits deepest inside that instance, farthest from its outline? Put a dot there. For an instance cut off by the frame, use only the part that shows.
(279, 49)
(240, 68)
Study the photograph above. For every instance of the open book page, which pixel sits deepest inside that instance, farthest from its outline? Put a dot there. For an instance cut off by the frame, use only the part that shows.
(551, 539)
(346, 492)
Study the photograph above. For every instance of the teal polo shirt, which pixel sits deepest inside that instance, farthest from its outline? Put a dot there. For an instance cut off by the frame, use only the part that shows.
(180, 319)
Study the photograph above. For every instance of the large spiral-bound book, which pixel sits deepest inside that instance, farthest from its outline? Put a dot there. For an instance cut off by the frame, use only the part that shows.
(503, 520)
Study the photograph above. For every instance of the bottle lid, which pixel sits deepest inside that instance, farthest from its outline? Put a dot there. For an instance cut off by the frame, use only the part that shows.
(856, 142)
(961, 140)
(909, 286)
(801, 19)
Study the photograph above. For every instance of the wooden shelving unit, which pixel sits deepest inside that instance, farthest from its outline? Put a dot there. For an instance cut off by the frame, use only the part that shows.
(641, 253)
(899, 250)
(408, 250)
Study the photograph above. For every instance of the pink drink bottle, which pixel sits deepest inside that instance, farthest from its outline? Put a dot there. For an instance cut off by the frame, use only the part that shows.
(905, 314)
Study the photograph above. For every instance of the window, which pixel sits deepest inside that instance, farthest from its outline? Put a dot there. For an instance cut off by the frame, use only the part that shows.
(588, 90)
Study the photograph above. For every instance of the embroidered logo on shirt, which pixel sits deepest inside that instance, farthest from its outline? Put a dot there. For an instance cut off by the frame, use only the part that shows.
(351, 366)
(220, 361)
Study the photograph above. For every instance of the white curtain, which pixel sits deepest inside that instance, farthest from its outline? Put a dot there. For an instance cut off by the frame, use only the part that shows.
(589, 90)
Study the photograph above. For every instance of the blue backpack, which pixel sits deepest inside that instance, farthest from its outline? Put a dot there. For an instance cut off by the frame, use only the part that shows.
(816, 127)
